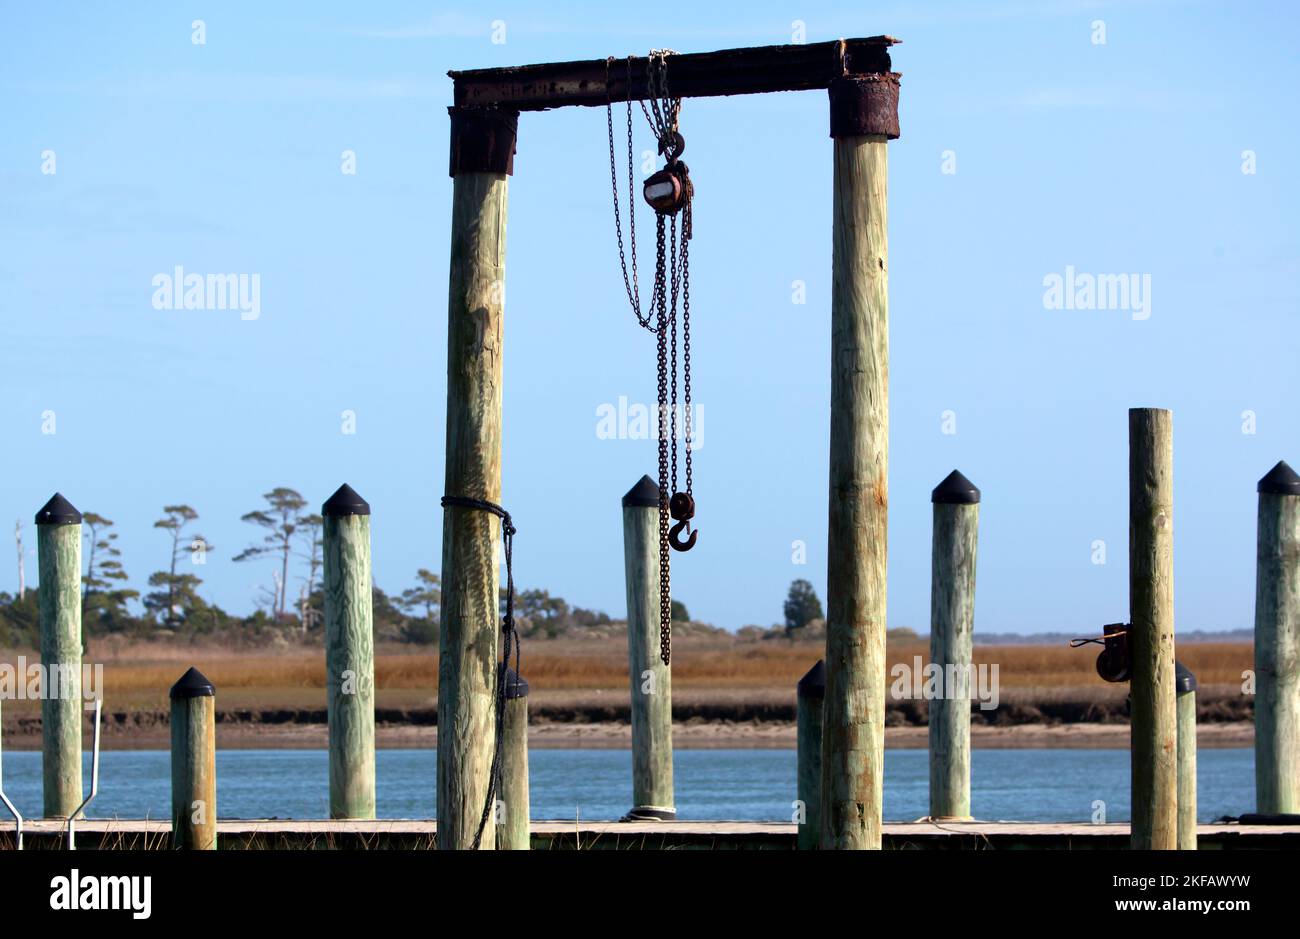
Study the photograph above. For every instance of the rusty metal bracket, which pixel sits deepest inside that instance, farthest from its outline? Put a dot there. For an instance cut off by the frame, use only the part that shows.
(483, 140)
(863, 105)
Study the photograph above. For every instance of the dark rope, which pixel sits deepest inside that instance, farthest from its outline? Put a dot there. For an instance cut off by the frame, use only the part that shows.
(509, 638)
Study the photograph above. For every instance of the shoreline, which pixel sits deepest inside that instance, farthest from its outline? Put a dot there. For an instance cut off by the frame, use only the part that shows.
(693, 734)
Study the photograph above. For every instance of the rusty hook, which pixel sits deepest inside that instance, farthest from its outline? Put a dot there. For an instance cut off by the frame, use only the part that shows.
(682, 508)
(672, 145)
(675, 536)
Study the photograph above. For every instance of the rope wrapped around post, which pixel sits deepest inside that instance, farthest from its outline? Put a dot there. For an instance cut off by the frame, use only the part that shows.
(510, 638)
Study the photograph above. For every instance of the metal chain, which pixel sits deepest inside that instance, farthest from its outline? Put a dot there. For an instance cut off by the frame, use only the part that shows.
(686, 344)
(665, 569)
(670, 283)
(672, 366)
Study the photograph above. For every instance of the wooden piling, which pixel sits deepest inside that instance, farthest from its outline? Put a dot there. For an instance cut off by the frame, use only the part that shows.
(1154, 724)
(650, 679)
(1277, 644)
(952, 620)
(194, 763)
(1185, 687)
(864, 115)
(513, 813)
(349, 654)
(810, 692)
(58, 548)
(482, 148)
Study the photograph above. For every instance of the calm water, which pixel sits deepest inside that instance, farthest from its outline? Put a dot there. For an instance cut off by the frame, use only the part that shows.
(750, 785)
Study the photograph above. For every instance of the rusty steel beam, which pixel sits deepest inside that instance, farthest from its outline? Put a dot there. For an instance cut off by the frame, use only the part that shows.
(755, 70)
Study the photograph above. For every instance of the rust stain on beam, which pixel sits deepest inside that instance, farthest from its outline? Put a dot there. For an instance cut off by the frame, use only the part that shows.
(754, 70)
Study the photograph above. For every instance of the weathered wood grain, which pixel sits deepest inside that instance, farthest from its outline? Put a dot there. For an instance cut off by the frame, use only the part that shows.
(58, 548)
(952, 621)
(470, 538)
(1277, 655)
(854, 710)
(753, 70)
(1187, 771)
(650, 680)
(194, 773)
(1151, 609)
(810, 695)
(513, 819)
(349, 665)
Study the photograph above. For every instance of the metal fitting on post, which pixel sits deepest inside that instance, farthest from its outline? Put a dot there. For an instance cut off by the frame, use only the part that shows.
(483, 140)
(865, 105)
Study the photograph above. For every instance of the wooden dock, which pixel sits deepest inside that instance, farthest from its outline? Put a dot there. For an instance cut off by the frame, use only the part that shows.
(407, 834)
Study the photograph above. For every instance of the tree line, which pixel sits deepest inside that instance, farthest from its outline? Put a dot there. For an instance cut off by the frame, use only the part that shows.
(288, 534)
(291, 605)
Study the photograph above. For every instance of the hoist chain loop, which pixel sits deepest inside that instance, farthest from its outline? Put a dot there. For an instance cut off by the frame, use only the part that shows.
(671, 287)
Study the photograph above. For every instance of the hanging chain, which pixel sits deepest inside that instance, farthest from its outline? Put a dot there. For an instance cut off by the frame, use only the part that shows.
(671, 283)
(686, 348)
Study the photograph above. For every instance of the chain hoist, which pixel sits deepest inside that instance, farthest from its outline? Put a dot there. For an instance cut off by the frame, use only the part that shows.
(669, 192)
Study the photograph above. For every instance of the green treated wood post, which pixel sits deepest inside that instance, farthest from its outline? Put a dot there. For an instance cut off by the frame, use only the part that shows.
(349, 654)
(482, 148)
(58, 549)
(1186, 689)
(809, 694)
(650, 679)
(952, 621)
(864, 115)
(1277, 644)
(194, 763)
(513, 810)
(1154, 724)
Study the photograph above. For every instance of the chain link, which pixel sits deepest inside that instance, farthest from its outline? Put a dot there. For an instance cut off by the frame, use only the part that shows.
(671, 282)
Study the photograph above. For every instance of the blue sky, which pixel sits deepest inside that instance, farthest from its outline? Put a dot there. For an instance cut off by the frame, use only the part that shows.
(1122, 157)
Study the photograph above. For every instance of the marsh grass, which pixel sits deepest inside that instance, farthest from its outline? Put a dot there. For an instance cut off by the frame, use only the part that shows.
(138, 675)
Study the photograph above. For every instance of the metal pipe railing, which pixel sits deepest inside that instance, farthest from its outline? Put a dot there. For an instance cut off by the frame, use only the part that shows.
(94, 783)
(18, 818)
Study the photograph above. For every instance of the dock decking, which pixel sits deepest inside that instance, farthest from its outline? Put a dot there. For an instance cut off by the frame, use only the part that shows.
(406, 834)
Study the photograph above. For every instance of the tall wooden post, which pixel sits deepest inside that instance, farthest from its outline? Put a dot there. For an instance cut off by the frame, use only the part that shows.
(349, 654)
(952, 620)
(809, 694)
(650, 679)
(1151, 607)
(1277, 644)
(864, 115)
(1185, 686)
(513, 813)
(194, 763)
(58, 549)
(482, 154)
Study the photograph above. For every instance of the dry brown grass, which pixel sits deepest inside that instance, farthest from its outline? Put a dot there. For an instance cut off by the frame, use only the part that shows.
(138, 675)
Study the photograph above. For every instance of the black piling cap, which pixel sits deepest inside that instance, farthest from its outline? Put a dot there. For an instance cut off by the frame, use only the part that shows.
(1281, 480)
(813, 685)
(192, 685)
(516, 685)
(955, 489)
(345, 502)
(58, 511)
(645, 494)
(1184, 680)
